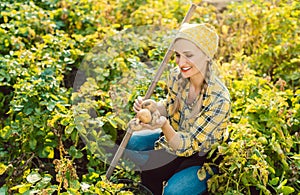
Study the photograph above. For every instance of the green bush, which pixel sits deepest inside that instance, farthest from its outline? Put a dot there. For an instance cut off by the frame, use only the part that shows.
(268, 32)
(69, 78)
(261, 151)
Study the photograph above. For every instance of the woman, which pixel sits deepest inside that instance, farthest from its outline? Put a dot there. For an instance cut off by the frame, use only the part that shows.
(193, 117)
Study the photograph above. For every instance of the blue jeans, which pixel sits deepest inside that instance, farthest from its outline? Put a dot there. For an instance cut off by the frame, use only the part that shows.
(186, 182)
(178, 181)
(139, 145)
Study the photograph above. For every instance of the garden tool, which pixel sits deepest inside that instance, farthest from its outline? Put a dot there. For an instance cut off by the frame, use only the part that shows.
(150, 90)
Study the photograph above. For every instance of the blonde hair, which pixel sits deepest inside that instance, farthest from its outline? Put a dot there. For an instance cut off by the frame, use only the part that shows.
(182, 82)
(204, 36)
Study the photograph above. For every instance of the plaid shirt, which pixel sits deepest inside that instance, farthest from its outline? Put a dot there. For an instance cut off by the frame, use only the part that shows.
(200, 132)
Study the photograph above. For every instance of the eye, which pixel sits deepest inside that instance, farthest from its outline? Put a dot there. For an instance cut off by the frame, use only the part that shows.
(189, 55)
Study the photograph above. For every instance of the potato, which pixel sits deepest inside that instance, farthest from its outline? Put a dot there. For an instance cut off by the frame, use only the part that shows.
(144, 115)
(150, 105)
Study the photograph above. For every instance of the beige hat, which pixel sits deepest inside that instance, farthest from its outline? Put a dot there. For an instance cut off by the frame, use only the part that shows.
(203, 35)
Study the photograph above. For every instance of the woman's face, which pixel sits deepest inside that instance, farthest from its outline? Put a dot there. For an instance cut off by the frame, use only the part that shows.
(190, 59)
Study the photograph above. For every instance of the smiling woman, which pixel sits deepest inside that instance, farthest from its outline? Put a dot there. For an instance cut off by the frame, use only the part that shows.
(190, 59)
(193, 117)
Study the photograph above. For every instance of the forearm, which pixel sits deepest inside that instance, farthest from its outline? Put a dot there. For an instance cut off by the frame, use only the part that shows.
(171, 135)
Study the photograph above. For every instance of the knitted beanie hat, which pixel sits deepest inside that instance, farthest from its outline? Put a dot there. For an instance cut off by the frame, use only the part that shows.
(202, 35)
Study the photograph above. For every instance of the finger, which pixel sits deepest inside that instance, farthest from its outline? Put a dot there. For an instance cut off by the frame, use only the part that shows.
(146, 126)
(136, 106)
(136, 109)
(140, 99)
(137, 102)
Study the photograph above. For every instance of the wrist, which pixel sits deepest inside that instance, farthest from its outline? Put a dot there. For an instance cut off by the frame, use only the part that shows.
(165, 125)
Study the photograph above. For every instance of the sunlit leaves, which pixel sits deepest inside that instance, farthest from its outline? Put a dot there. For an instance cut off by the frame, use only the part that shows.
(44, 43)
(266, 31)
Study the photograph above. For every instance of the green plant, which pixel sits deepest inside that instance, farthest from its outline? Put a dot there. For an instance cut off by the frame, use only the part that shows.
(261, 150)
(267, 31)
(55, 125)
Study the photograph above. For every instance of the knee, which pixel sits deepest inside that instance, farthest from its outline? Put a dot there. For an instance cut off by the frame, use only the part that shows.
(142, 141)
(133, 143)
(137, 143)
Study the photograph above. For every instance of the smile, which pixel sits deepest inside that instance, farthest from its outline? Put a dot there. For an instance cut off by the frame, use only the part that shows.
(185, 69)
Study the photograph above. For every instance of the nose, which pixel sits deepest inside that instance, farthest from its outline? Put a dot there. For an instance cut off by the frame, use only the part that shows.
(181, 60)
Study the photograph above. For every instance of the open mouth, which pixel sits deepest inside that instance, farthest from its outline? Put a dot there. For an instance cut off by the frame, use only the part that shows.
(185, 69)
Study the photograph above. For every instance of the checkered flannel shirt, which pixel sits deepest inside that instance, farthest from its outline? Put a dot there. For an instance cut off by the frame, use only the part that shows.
(199, 133)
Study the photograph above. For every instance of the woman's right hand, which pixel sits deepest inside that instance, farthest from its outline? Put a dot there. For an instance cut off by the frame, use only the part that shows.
(137, 106)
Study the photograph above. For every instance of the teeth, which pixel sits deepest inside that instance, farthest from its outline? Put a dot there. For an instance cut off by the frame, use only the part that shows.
(186, 68)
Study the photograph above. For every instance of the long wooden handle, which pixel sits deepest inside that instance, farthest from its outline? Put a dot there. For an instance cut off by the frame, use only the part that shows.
(150, 90)
(168, 55)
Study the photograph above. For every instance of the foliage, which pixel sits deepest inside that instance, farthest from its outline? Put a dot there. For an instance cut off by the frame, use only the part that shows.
(70, 71)
(267, 31)
(262, 152)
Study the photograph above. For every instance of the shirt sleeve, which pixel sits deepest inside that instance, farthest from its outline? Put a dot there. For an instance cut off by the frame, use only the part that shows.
(171, 96)
(208, 128)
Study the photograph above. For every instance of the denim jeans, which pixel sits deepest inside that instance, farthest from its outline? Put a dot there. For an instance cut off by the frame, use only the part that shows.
(184, 181)
(139, 145)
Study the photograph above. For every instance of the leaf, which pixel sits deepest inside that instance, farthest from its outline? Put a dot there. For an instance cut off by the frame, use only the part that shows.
(3, 190)
(43, 182)
(5, 19)
(17, 108)
(244, 180)
(232, 167)
(75, 153)
(51, 105)
(32, 143)
(5, 132)
(51, 152)
(287, 190)
(22, 187)
(3, 168)
(28, 111)
(69, 129)
(47, 152)
(54, 97)
(282, 184)
(271, 169)
(296, 157)
(33, 177)
(65, 121)
(274, 181)
(113, 123)
(120, 121)
(201, 174)
(85, 186)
